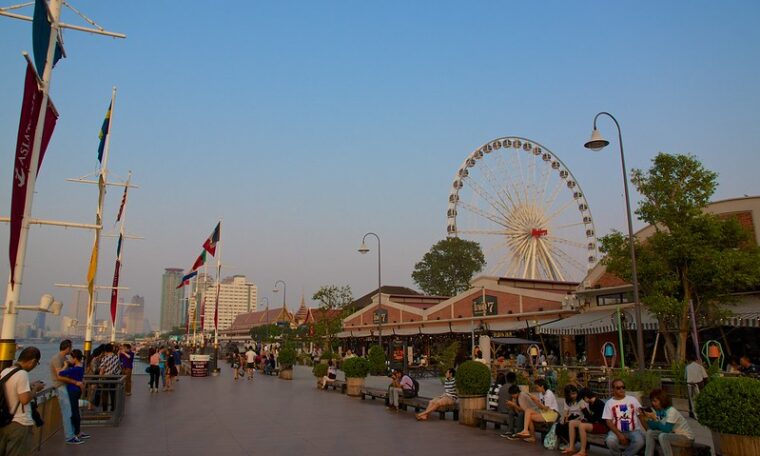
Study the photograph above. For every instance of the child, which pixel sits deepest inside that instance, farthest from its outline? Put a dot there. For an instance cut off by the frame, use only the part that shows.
(73, 369)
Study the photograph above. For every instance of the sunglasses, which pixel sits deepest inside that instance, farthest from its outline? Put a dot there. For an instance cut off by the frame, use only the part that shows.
(619, 387)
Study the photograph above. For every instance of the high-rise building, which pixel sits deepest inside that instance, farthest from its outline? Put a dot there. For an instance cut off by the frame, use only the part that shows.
(236, 296)
(172, 305)
(195, 300)
(38, 327)
(134, 314)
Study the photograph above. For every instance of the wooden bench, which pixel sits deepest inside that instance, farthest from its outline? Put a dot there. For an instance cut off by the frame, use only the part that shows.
(373, 393)
(420, 403)
(484, 417)
(337, 385)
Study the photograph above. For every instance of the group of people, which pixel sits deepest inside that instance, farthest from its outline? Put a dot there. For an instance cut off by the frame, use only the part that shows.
(628, 426)
(68, 368)
(163, 367)
(245, 364)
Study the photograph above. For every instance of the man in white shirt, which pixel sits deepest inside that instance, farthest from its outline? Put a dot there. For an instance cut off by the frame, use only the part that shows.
(250, 362)
(16, 437)
(696, 376)
(622, 415)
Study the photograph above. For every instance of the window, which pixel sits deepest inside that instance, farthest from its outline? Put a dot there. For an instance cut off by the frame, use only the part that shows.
(614, 299)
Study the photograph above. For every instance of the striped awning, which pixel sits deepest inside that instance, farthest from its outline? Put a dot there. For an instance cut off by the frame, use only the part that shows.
(746, 314)
(598, 322)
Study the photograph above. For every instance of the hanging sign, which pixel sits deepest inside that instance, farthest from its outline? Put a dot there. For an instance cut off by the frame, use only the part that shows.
(480, 309)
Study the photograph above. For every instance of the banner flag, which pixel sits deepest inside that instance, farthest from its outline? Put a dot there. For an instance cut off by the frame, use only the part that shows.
(123, 203)
(115, 292)
(92, 270)
(210, 244)
(102, 136)
(41, 36)
(200, 261)
(186, 279)
(30, 112)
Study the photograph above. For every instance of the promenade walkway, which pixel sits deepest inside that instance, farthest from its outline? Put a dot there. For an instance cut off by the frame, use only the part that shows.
(214, 416)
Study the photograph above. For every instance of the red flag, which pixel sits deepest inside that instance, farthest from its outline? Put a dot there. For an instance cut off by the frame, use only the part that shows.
(200, 261)
(115, 292)
(30, 112)
(123, 202)
(210, 244)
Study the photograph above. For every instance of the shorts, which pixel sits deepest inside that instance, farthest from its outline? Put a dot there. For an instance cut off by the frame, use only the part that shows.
(599, 428)
(550, 416)
(249, 365)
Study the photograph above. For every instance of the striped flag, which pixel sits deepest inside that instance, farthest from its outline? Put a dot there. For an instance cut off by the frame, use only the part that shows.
(102, 135)
(200, 261)
(210, 244)
(186, 279)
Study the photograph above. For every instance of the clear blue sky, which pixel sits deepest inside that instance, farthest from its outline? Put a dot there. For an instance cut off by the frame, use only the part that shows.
(306, 124)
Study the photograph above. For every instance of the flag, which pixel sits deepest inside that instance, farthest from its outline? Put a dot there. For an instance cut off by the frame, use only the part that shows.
(102, 135)
(41, 37)
(92, 270)
(114, 291)
(186, 279)
(123, 203)
(30, 112)
(200, 261)
(210, 244)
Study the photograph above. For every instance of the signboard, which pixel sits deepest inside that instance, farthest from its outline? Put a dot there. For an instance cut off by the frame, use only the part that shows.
(490, 307)
(199, 365)
(380, 317)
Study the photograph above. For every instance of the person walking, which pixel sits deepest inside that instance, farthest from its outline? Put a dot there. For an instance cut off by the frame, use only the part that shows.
(127, 358)
(250, 362)
(153, 370)
(57, 363)
(16, 437)
(162, 366)
(177, 354)
(696, 378)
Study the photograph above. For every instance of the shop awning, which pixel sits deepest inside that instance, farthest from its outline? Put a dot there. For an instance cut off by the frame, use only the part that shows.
(353, 333)
(745, 315)
(409, 331)
(437, 329)
(512, 341)
(598, 322)
(513, 325)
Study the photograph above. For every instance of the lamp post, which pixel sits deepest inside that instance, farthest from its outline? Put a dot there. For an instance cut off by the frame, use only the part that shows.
(596, 143)
(364, 249)
(47, 304)
(266, 314)
(284, 291)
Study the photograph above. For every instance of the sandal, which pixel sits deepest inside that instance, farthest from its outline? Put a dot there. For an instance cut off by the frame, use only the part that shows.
(569, 450)
(523, 435)
(530, 440)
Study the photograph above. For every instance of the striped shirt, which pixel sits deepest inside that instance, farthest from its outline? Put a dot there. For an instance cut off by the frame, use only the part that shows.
(493, 396)
(110, 364)
(450, 388)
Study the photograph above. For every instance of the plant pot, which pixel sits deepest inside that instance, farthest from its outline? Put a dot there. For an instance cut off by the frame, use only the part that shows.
(739, 445)
(354, 386)
(468, 405)
(286, 374)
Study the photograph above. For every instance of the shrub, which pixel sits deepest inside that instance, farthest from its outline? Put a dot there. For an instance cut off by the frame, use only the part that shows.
(327, 355)
(473, 379)
(522, 378)
(356, 367)
(287, 357)
(376, 358)
(729, 406)
(447, 359)
(638, 381)
(319, 370)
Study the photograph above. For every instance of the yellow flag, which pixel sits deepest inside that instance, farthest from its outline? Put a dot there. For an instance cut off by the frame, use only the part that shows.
(91, 274)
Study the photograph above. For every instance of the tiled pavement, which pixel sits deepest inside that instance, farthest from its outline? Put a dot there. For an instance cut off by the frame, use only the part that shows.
(215, 416)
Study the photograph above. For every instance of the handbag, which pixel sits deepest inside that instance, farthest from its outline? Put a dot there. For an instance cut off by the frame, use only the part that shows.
(38, 421)
(550, 440)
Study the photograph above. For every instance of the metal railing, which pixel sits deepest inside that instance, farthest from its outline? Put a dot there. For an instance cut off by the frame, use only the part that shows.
(47, 406)
(105, 400)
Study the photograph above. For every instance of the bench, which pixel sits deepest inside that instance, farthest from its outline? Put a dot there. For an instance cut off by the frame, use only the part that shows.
(484, 417)
(337, 385)
(698, 449)
(420, 403)
(373, 393)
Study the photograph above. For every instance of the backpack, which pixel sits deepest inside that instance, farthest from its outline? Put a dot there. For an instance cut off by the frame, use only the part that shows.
(550, 440)
(6, 416)
(416, 386)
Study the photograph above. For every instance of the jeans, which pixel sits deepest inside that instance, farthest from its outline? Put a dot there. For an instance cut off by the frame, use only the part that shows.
(162, 371)
(667, 441)
(636, 443)
(76, 420)
(65, 405)
(154, 373)
(515, 421)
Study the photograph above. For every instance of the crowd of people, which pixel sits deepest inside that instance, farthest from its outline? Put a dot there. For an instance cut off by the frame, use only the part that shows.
(246, 362)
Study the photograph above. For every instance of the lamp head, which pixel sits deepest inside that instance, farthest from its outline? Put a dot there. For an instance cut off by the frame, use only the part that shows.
(45, 301)
(274, 290)
(56, 307)
(363, 249)
(596, 142)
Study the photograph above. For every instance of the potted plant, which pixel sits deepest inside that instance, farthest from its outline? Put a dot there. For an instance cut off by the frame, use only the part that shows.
(376, 358)
(728, 407)
(473, 381)
(286, 359)
(356, 369)
(639, 384)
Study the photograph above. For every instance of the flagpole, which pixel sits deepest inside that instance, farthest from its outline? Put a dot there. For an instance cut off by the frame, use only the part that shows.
(13, 292)
(218, 255)
(93, 271)
(121, 245)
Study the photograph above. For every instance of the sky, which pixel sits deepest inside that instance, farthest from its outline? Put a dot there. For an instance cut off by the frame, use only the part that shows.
(304, 125)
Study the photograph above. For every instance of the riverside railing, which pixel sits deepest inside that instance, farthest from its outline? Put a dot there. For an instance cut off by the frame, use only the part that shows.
(105, 396)
(47, 406)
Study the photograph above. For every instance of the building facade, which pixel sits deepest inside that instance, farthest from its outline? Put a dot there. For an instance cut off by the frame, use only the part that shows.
(134, 316)
(172, 300)
(236, 296)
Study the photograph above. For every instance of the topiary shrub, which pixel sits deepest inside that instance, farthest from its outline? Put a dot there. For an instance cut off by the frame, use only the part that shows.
(729, 406)
(638, 381)
(356, 367)
(327, 355)
(319, 370)
(473, 379)
(287, 357)
(376, 358)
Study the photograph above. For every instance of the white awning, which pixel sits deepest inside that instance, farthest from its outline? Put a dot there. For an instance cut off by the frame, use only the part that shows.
(598, 322)
(353, 333)
(437, 329)
(406, 331)
(745, 315)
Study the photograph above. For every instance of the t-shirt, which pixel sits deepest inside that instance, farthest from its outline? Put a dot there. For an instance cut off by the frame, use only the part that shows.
(493, 396)
(110, 364)
(14, 387)
(127, 360)
(695, 372)
(525, 402)
(56, 364)
(155, 358)
(624, 413)
(250, 356)
(504, 396)
(680, 425)
(450, 388)
(550, 400)
(74, 373)
(594, 411)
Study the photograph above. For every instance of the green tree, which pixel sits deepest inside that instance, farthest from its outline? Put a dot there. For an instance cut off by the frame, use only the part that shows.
(334, 303)
(692, 255)
(447, 268)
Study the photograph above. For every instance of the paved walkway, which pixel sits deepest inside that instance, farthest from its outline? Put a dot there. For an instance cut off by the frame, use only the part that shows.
(215, 416)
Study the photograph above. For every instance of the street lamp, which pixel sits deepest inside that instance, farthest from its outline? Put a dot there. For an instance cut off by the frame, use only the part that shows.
(47, 304)
(284, 291)
(364, 249)
(596, 143)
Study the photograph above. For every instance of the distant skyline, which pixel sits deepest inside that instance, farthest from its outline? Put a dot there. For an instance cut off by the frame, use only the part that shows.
(303, 125)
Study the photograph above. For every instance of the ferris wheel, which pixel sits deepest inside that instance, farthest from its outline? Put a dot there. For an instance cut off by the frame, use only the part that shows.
(524, 206)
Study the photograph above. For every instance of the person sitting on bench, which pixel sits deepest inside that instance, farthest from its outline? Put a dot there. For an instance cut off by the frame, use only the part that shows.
(547, 411)
(592, 422)
(448, 398)
(332, 374)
